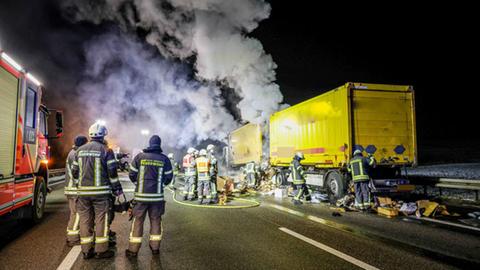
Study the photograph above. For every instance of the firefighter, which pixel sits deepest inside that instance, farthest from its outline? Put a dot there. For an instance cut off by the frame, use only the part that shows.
(251, 174)
(95, 168)
(204, 171)
(213, 173)
(190, 174)
(175, 169)
(150, 171)
(73, 236)
(298, 176)
(359, 167)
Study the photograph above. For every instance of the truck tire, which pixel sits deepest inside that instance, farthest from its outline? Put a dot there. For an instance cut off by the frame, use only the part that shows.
(39, 198)
(335, 184)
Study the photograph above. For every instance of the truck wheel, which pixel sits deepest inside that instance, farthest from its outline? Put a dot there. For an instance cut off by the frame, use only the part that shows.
(335, 185)
(39, 198)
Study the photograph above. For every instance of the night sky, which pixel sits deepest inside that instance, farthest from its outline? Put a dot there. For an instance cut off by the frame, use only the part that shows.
(317, 48)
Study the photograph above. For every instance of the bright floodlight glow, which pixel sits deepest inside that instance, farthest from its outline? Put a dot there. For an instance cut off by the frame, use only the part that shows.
(33, 79)
(145, 131)
(101, 122)
(12, 62)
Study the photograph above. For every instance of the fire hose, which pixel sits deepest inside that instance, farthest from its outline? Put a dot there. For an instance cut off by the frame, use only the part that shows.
(250, 203)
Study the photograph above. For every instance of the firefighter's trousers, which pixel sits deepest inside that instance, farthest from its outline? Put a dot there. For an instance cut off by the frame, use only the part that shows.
(251, 181)
(94, 214)
(189, 187)
(302, 190)
(155, 211)
(204, 190)
(73, 227)
(362, 194)
(213, 188)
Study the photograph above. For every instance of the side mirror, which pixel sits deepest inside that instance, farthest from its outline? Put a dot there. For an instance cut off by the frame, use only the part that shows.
(59, 123)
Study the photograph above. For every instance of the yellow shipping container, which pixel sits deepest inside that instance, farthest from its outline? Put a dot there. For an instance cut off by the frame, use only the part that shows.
(377, 118)
(246, 144)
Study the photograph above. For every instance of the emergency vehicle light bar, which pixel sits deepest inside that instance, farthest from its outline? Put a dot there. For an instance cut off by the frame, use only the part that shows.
(11, 62)
(33, 79)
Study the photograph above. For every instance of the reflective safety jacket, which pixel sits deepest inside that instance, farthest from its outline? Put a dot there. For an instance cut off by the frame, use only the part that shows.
(214, 164)
(70, 182)
(359, 168)
(150, 171)
(298, 175)
(250, 168)
(189, 165)
(174, 166)
(95, 168)
(204, 168)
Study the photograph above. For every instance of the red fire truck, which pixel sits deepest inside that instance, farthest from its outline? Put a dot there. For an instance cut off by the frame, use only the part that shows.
(24, 149)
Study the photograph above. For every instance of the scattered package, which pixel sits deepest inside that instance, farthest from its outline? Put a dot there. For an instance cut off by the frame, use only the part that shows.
(408, 208)
(388, 211)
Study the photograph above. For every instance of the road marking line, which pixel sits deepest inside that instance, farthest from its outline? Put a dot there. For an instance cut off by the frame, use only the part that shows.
(70, 258)
(330, 250)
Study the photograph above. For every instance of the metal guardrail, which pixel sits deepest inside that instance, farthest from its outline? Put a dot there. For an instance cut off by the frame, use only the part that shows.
(56, 172)
(438, 182)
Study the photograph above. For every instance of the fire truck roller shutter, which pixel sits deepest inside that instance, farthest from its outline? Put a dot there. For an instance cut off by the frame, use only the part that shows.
(8, 108)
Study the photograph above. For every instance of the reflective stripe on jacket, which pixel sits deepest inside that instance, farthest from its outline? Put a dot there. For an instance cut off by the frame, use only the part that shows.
(189, 165)
(359, 168)
(95, 168)
(297, 172)
(203, 168)
(70, 182)
(150, 171)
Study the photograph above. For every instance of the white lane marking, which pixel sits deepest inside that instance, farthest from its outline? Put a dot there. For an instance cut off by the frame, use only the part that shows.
(330, 250)
(70, 258)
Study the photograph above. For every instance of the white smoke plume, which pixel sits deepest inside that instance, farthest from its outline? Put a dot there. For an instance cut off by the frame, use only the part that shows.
(210, 35)
(141, 90)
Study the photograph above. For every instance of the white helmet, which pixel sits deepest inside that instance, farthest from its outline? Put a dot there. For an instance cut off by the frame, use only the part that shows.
(210, 147)
(300, 155)
(170, 155)
(203, 152)
(97, 131)
(191, 150)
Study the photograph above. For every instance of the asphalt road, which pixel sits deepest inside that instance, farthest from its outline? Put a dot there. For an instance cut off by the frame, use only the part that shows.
(275, 235)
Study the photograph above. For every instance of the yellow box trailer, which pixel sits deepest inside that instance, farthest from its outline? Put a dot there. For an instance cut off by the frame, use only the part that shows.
(376, 118)
(246, 145)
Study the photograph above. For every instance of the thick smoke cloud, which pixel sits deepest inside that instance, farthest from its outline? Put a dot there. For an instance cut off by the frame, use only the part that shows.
(131, 87)
(209, 35)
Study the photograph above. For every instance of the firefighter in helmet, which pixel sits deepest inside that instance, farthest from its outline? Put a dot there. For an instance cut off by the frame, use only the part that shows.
(214, 172)
(298, 176)
(151, 171)
(175, 169)
(190, 172)
(204, 172)
(73, 232)
(360, 167)
(95, 168)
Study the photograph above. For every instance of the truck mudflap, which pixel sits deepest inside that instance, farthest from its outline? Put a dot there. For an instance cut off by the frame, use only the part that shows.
(391, 185)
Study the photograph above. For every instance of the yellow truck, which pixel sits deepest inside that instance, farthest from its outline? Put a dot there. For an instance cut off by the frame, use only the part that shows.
(378, 119)
(246, 145)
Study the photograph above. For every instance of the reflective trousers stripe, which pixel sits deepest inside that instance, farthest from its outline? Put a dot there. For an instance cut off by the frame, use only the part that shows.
(86, 240)
(155, 237)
